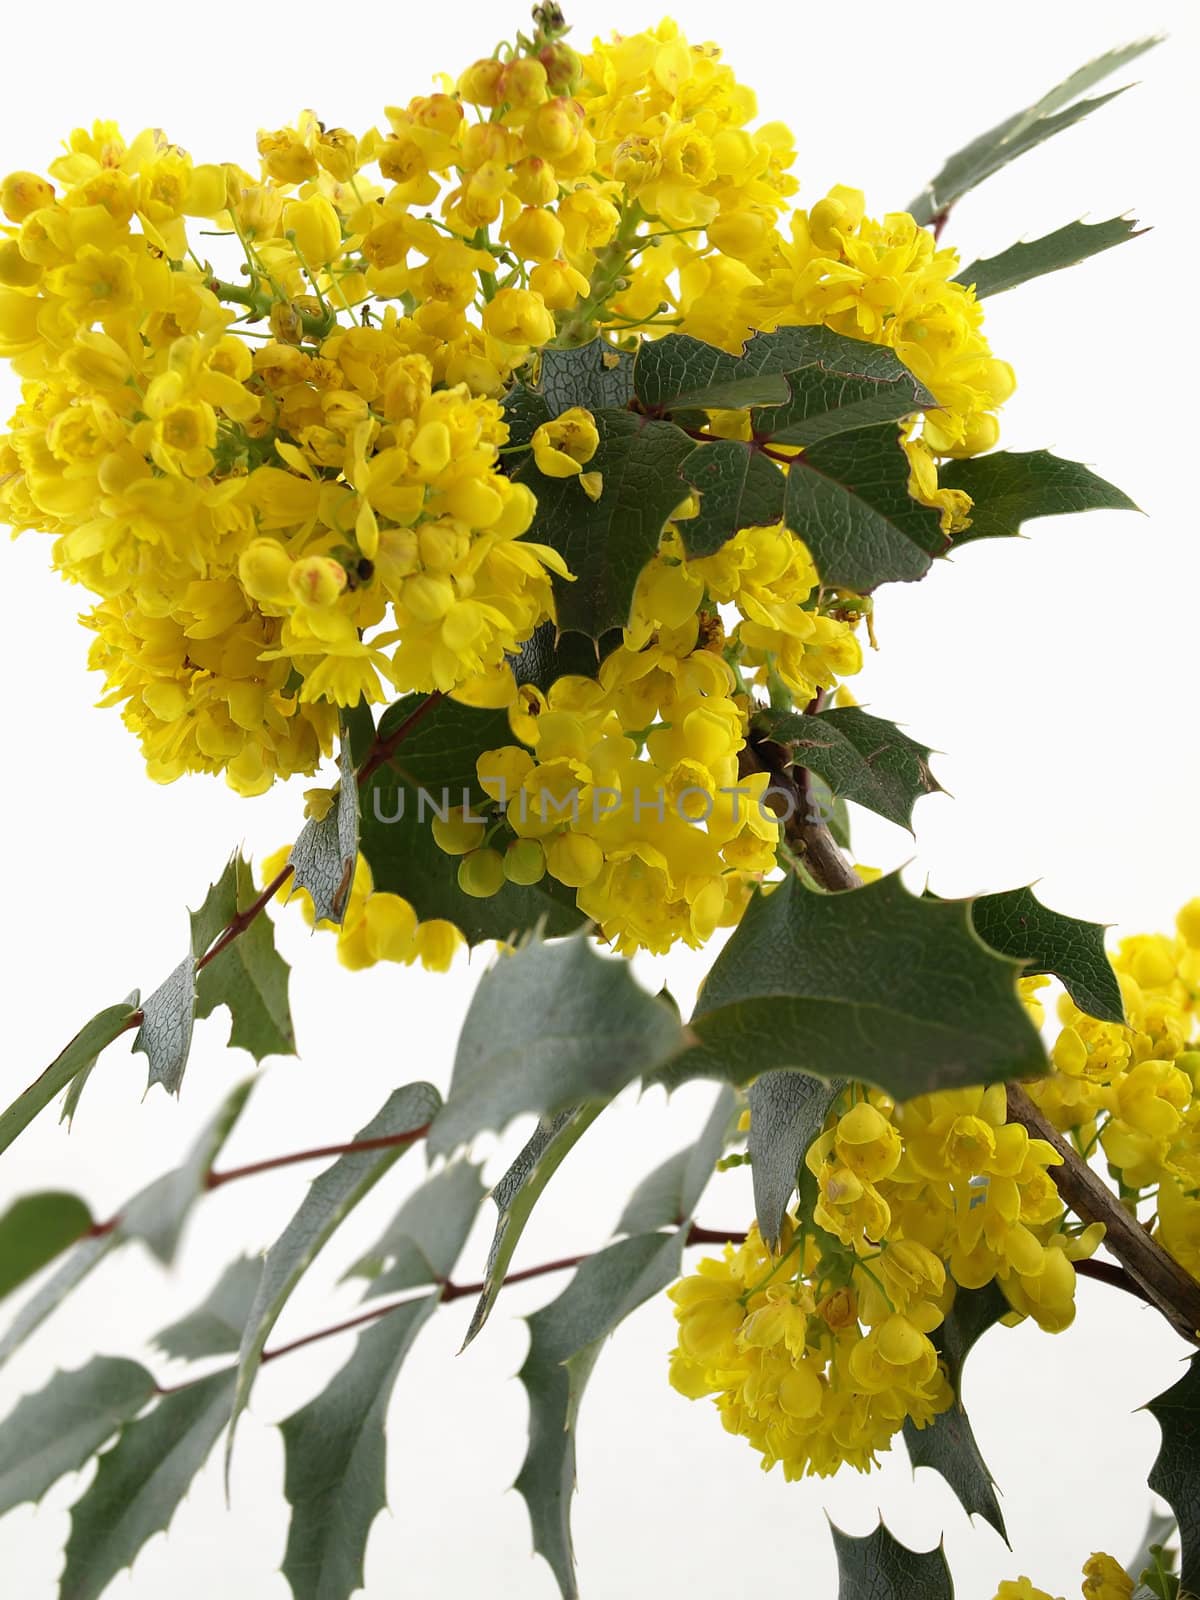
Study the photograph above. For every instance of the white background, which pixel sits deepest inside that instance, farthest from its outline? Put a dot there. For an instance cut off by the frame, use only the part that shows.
(1057, 673)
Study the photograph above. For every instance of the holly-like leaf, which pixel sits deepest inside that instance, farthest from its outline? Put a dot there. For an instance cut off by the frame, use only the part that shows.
(847, 498)
(550, 1026)
(666, 1197)
(860, 757)
(848, 384)
(592, 375)
(871, 984)
(815, 382)
(738, 486)
(879, 1567)
(331, 1197)
(249, 976)
(948, 1443)
(215, 1327)
(431, 772)
(1064, 247)
(606, 542)
(324, 856)
(518, 1192)
(424, 1239)
(34, 1230)
(156, 1215)
(564, 1341)
(165, 1036)
(1174, 1474)
(336, 1460)
(59, 1429)
(1060, 108)
(787, 1112)
(79, 1056)
(1011, 487)
(1017, 924)
(140, 1483)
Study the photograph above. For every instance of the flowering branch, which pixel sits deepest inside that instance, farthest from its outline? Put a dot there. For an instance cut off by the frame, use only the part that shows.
(458, 1291)
(1160, 1278)
(1153, 1274)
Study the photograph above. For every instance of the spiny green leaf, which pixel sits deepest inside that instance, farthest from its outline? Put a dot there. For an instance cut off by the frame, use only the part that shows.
(548, 1027)
(787, 1112)
(860, 757)
(849, 385)
(336, 1460)
(847, 498)
(564, 1342)
(872, 984)
(59, 1429)
(215, 1327)
(1011, 487)
(879, 1567)
(78, 1057)
(34, 1230)
(165, 1036)
(249, 976)
(666, 1197)
(156, 1215)
(815, 381)
(331, 1197)
(592, 375)
(994, 149)
(324, 855)
(140, 1483)
(1174, 1474)
(738, 486)
(607, 542)
(948, 1443)
(519, 1191)
(1017, 924)
(424, 1239)
(1064, 247)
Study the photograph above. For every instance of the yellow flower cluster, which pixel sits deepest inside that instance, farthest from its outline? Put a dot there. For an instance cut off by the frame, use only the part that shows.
(1104, 1578)
(281, 520)
(819, 1353)
(626, 788)
(377, 926)
(1135, 1090)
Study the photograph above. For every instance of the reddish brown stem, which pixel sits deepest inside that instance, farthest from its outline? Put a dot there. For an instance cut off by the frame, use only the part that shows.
(238, 924)
(388, 1141)
(382, 750)
(1169, 1287)
(458, 1291)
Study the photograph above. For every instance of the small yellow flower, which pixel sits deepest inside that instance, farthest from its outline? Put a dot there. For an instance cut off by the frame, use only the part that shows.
(562, 446)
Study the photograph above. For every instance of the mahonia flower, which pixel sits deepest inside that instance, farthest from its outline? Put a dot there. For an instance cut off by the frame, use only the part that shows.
(376, 925)
(819, 1353)
(1103, 1579)
(1133, 1090)
(273, 533)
